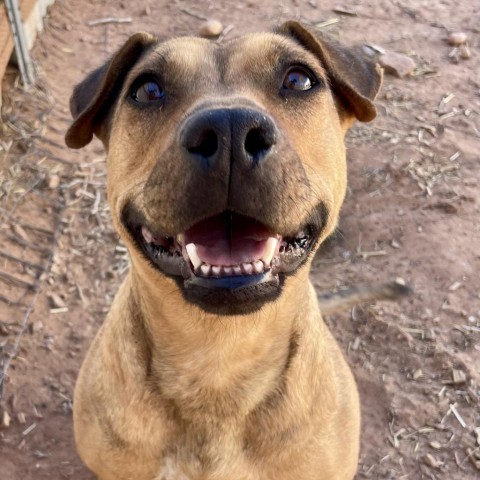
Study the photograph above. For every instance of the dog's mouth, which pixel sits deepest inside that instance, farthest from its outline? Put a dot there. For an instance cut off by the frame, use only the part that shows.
(225, 259)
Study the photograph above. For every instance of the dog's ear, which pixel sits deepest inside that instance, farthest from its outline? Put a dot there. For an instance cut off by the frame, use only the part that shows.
(354, 79)
(93, 98)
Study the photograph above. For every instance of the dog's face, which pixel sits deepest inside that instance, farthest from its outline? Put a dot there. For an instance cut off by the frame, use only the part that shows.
(226, 162)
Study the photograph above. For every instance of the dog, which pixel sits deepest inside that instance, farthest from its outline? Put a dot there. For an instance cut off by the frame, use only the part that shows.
(226, 171)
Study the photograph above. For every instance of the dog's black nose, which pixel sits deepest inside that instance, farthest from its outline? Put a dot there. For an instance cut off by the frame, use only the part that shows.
(231, 134)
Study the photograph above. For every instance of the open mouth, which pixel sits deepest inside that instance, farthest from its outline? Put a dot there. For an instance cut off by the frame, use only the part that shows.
(225, 258)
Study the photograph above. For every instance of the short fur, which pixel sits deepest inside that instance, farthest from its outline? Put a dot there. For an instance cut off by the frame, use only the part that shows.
(169, 391)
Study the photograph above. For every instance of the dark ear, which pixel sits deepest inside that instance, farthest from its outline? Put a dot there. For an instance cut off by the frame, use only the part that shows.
(93, 98)
(353, 78)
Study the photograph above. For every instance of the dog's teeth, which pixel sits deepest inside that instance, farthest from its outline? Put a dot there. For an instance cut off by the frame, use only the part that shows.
(258, 266)
(227, 270)
(270, 249)
(193, 255)
(237, 270)
(216, 270)
(247, 268)
(148, 237)
(181, 239)
(205, 270)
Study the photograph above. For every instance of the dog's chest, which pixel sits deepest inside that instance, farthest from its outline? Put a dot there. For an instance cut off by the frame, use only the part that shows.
(195, 458)
(174, 468)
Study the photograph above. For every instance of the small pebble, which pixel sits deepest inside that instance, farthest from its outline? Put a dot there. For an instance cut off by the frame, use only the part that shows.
(458, 376)
(433, 461)
(20, 232)
(211, 29)
(57, 301)
(457, 38)
(430, 334)
(417, 374)
(36, 327)
(397, 64)
(5, 420)
(53, 182)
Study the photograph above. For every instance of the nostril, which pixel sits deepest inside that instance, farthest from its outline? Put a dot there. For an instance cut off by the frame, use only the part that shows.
(205, 144)
(258, 142)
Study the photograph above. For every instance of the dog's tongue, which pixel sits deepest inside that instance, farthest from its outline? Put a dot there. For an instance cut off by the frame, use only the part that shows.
(230, 239)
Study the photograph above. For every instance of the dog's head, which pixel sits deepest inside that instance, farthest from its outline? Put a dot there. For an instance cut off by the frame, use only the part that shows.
(226, 162)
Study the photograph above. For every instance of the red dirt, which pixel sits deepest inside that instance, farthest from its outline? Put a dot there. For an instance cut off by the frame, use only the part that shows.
(412, 211)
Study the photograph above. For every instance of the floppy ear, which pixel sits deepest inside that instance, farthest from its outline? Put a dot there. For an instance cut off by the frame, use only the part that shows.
(353, 78)
(93, 98)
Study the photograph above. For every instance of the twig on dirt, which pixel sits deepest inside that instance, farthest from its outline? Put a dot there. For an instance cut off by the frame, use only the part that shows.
(470, 454)
(106, 20)
(374, 253)
(326, 23)
(225, 32)
(453, 113)
(447, 98)
(59, 310)
(96, 203)
(375, 48)
(29, 429)
(193, 14)
(345, 11)
(461, 421)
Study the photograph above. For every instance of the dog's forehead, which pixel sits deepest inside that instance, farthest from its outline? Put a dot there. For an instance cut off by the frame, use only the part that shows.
(188, 55)
(262, 50)
(185, 52)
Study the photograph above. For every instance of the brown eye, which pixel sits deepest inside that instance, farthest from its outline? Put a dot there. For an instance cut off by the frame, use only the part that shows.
(147, 92)
(298, 79)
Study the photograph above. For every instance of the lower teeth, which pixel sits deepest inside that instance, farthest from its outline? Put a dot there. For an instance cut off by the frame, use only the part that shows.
(218, 271)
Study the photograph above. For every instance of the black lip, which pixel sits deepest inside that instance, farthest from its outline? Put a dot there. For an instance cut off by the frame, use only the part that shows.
(237, 301)
(233, 295)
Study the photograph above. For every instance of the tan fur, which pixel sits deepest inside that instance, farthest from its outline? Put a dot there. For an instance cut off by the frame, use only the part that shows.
(167, 390)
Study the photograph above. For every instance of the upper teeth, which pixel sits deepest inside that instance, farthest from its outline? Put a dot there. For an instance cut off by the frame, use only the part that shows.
(193, 255)
(147, 235)
(270, 250)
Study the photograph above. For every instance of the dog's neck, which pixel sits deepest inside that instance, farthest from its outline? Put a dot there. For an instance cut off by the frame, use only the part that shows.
(225, 366)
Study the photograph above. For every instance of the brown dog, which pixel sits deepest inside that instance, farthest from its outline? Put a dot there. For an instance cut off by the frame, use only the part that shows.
(226, 171)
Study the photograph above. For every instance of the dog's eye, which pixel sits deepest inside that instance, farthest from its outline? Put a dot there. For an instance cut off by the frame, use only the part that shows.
(148, 91)
(298, 79)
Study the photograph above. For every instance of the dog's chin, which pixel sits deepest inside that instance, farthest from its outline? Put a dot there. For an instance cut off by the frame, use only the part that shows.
(227, 264)
(231, 295)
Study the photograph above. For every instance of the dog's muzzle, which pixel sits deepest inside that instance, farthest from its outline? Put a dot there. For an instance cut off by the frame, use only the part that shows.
(230, 261)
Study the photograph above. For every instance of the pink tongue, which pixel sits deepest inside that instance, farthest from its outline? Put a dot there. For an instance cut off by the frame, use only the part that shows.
(228, 239)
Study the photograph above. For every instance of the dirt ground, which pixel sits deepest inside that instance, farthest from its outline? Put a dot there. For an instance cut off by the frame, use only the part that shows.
(412, 211)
